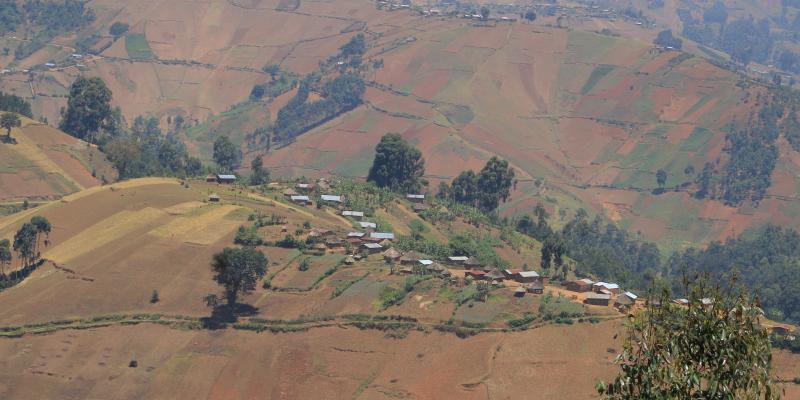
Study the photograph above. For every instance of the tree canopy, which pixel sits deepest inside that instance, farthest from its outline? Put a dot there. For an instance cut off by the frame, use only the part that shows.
(397, 166)
(8, 121)
(258, 175)
(227, 156)
(238, 270)
(15, 104)
(484, 190)
(88, 108)
(713, 349)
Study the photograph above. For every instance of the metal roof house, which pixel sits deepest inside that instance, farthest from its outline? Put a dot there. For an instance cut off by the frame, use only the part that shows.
(353, 214)
(415, 198)
(226, 178)
(381, 235)
(366, 225)
(332, 198)
(598, 299)
(300, 199)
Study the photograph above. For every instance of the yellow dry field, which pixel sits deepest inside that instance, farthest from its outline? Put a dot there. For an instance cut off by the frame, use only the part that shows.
(104, 232)
(184, 208)
(203, 227)
(31, 151)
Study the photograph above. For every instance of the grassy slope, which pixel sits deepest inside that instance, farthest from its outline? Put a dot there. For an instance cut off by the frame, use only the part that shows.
(46, 163)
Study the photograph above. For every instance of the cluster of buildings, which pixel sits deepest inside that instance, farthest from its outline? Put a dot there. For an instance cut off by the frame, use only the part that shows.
(602, 293)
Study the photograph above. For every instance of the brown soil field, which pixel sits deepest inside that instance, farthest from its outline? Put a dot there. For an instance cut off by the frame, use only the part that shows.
(46, 163)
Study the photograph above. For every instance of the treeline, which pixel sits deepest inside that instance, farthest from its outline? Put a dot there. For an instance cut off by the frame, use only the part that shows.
(144, 150)
(767, 262)
(15, 104)
(49, 18)
(339, 95)
(744, 39)
(484, 190)
(136, 151)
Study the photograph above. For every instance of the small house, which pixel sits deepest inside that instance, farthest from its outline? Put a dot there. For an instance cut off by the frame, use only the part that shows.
(681, 302)
(425, 263)
(379, 236)
(334, 243)
(598, 299)
(288, 193)
(391, 255)
(623, 302)
(319, 247)
(367, 225)
(332, 199)
(472, 262)
(226, 178)
(211, 178)
(406, 270)
(349, 260)
(385, 243)
(357, 235)
(611, 287)
(512, 273)
(495, 275)
(353, 214)
(304, 187)
(354, 242)
(415, 198)
(320, 232)
(301, 200)
(580, 285)
(213, 198)
(529, 277)
(535, 287)
(412, 257)
(372, 248)
(457, 260)
(476, 274)
(519, 292)
(631, 296)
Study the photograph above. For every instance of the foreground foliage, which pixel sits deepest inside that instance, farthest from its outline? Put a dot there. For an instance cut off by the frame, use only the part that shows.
(712, 349)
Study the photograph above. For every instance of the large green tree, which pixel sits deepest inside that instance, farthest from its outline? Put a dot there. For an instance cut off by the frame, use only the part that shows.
(259, 175)
(712, 349)
(227, 156)
(43, 228)
(8, 121)
(238, 270)
(494, 183)
(398, 165)
(88, 108)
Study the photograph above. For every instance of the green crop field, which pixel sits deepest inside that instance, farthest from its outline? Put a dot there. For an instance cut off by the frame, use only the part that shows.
(137, 47)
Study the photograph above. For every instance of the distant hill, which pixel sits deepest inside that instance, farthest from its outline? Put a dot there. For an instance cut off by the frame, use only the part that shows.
(46, 164)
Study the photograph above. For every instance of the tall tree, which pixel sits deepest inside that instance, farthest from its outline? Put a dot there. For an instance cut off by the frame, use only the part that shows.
(494, 183)
(5, 255)
(397, 165)
(464, 188)
(227, 156)
(713, 349)
(259, 175)
(88, 108)
(661, 177)
(238, 270)
(8, 121)
(43, 228)
(25, 244)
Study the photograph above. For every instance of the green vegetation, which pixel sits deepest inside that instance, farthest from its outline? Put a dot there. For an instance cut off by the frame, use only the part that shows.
(258, 175)
(398, 166)
(238, 270)
(137, 47)
(46, 18)
(484, 190)
(145, 151)
(5, 256)
(709, 351)
(339, 95)
(8, 121)
(665, 39)
(392, 296)
(284, 82)
(88, 109)
(15, 104)
(597, 74)
(227, 156)
(118, 29)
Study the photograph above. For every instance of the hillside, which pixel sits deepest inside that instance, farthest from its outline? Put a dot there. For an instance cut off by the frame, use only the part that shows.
(46, 164)
(587, 112)
(113, 245)
(73, 327)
